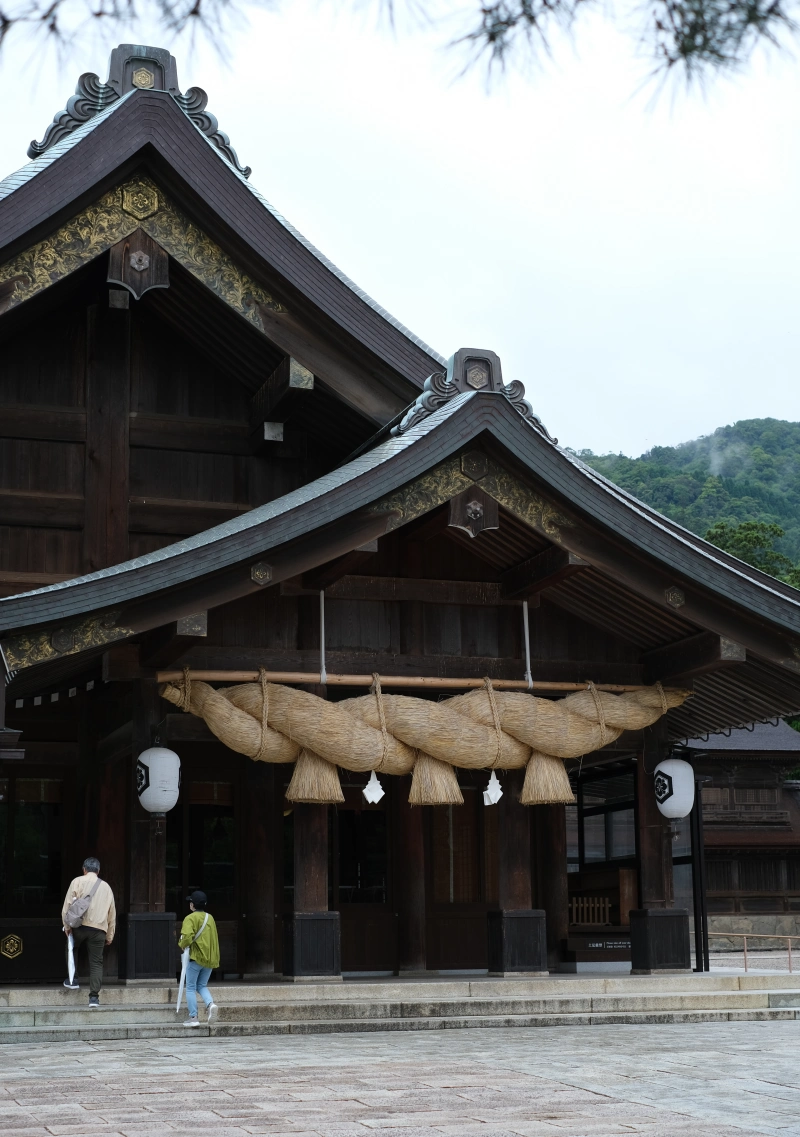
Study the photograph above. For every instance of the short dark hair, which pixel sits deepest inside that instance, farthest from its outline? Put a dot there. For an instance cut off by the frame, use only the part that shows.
(91, 864)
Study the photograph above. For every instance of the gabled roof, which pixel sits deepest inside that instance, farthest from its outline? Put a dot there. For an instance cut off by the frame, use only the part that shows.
(153, 128)
(634, 554)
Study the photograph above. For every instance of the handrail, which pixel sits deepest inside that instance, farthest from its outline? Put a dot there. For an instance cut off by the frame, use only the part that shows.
(745, 936)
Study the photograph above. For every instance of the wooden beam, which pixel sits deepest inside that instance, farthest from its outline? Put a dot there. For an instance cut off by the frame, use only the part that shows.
(347, 378)
(42, 510)
(28, 580)
(175, 432)
(693, 656)
(121, 663)
(50, 424)
(164, 645)
(351, 587)
(285, 391)
(333, 571)
(432, 682)
(471, 666)
(105, 534)
(178, 516)
(542, 571)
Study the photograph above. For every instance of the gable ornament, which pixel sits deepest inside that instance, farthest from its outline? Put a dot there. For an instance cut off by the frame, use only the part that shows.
(470, 369)
(135, 67)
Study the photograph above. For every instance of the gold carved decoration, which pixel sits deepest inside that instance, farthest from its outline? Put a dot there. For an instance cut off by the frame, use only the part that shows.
(95, 630)
(137, 203)
(143, 79)
(139, 199)
(11, 946)
(448, 479)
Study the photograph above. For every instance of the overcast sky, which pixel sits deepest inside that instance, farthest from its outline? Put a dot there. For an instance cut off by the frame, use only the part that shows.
(636, 265)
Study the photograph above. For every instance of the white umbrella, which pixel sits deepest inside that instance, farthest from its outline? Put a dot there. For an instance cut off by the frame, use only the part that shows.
(71, 958)
(184, 965)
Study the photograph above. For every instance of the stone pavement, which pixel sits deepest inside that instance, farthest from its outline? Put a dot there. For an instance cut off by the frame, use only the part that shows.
(703, 1080)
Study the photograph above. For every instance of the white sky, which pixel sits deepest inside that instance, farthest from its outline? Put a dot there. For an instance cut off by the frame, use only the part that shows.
(635, 264)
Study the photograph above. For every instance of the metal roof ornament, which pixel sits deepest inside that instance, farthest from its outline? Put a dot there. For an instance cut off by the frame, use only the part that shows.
(470, 369)
(135, 67)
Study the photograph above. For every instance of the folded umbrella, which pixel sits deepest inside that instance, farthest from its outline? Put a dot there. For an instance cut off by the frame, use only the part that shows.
(71, 958)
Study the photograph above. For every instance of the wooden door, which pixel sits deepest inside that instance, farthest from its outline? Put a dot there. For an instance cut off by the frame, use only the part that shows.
(461, 858)
(361, 884)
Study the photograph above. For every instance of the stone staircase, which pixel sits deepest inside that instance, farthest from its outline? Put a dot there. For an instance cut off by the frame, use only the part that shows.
(49, 1014)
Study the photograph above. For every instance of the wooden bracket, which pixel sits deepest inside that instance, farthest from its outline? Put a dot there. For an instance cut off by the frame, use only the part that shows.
(281, 394)
(542, 571)
(693, 656)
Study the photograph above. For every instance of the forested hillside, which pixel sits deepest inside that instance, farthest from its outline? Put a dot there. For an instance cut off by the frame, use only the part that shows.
(746, 472)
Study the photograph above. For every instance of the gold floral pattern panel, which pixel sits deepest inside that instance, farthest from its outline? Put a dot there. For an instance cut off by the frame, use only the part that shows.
(138, 203)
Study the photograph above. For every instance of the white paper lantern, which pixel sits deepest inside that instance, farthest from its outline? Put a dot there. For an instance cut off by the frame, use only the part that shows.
(158, 779)
(674, 787)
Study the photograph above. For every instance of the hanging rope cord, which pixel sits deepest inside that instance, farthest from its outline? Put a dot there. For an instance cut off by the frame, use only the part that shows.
(601, 717)
(376, 687)
(498, 730)
(186, 691)
(262, 750)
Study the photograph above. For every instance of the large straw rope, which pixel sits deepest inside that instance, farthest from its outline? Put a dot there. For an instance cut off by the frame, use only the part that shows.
(398, 734)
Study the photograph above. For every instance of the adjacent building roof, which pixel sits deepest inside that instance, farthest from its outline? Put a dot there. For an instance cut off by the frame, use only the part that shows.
(775, 736)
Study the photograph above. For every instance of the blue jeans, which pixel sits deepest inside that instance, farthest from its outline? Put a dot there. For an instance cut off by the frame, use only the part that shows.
(196, 979)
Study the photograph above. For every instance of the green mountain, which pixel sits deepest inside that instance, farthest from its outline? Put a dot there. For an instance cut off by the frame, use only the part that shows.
(746, 472)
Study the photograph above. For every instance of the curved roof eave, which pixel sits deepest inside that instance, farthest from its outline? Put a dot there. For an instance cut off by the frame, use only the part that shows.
(110, 157)
(391, 464)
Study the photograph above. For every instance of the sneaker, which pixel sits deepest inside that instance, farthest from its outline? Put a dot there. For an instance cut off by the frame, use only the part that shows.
(73, 986)
(94, 1002)
(192, 1022)
(212, 1012)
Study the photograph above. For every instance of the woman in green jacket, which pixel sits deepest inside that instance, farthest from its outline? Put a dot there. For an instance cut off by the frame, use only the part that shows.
(203, 956)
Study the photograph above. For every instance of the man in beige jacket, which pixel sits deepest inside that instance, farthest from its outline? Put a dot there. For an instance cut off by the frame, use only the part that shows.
(97, 928)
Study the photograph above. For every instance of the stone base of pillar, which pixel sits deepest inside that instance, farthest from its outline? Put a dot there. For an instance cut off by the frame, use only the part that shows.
(312, 946)
(517, 943)
(660, 941)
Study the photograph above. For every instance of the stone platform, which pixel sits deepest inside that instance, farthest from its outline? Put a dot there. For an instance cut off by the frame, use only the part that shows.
(49, 1014)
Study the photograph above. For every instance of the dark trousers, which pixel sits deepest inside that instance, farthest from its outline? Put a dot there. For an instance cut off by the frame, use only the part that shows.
(95, 940)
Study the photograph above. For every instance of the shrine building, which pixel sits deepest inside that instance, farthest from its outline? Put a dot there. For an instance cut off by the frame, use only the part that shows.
(388, 625)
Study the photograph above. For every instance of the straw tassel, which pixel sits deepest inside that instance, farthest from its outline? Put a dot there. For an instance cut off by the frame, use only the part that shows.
(314, 781)
(434, 783)
(546, 782)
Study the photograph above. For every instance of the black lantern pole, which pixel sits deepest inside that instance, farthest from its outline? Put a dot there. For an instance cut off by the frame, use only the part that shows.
(699, 876)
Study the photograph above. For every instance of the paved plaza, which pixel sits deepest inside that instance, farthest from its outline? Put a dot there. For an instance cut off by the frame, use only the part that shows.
(700, 1079)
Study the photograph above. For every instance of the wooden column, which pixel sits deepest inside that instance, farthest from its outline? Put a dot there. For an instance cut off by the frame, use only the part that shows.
(514, 846)
(550, 826)
(107, 416)
(408, 874)
(259, 890)
(655, 837)
(310, 858)
(148, 845)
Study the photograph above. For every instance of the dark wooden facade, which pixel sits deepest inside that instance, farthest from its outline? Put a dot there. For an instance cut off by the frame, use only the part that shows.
(220, 441)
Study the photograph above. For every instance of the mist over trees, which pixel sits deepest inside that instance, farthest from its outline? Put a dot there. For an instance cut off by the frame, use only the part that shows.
(748, 472)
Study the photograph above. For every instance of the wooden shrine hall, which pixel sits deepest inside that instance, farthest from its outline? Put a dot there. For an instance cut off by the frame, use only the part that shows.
(386, 623)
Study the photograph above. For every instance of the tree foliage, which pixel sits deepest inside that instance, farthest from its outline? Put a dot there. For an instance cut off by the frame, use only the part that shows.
(695, 36)
(745, 473)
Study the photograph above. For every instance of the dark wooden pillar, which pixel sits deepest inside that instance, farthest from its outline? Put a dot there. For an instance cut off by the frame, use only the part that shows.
(107, 415)
(550, 826)
(259, 890)
(517, 942)
(148, 847)
(655, 831)
(514, 846)
(408, 874)
(310, 858)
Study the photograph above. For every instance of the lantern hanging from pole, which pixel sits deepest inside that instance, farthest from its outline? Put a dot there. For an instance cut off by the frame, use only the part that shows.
(674, 787)
(158, 779)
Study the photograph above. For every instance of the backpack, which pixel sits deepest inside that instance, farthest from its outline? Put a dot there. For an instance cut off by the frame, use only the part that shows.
(80, 906)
